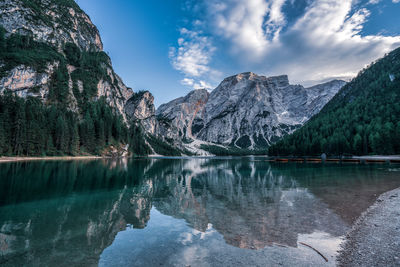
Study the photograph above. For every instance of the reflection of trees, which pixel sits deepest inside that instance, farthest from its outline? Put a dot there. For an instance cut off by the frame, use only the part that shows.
(67, 213)
(70, 211)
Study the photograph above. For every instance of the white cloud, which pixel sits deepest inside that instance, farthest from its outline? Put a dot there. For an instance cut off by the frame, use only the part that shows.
(241, 22)
(396, 1)
(325, 42)
(196, 84)
(202, 85)
(330, 43)
(192, 58)
(187, 82)
(193, 54)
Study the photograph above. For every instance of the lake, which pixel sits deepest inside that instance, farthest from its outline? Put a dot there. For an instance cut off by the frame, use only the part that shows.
(182, 211)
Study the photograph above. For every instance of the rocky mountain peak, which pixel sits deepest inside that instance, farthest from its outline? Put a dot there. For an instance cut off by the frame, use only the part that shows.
(245, 110)
(176, 118)
(65, 62)
(55, 22)
(140, 109)
(279, 81)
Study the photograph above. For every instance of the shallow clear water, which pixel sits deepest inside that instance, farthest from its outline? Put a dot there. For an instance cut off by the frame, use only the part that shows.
(197, 212)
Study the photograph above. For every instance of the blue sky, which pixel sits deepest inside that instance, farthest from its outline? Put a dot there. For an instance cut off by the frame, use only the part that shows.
(172, 47)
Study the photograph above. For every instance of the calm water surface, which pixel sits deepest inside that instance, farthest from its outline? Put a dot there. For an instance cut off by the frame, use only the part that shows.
(197, 212)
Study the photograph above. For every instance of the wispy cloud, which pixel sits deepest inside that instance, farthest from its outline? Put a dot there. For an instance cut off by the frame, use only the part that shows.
(242, 22)
(196, 84)
(192, 57)
(325, 42)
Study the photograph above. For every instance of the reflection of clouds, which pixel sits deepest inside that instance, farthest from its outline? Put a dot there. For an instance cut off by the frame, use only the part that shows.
(186, 238)
(244, 204)
(189, 237)
(194, 253)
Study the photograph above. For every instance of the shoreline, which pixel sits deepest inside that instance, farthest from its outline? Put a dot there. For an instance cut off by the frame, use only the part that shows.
(374, 238)
(16, 159)
(388, 158)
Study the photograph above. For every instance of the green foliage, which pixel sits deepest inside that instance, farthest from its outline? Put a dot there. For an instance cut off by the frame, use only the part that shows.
(91, 68)
(73, 54)
(363, 118)
(39, 11)
(59, 85)
(30, 128)
(163, 148)
(137, 142)
(244, 142)
(231, 151)
(23, 50)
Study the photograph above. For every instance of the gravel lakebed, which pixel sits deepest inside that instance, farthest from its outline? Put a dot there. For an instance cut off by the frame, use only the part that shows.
(374, 239)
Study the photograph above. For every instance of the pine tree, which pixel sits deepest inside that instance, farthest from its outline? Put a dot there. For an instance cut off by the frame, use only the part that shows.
(3, 140)
(74, 144)
(88, 133)
(61, 134)
(19, 129)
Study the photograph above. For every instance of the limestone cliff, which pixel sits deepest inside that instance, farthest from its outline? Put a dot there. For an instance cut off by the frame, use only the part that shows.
(55, 45)
(140, 108)
(245, 111)
(52, 21)
(176, 117)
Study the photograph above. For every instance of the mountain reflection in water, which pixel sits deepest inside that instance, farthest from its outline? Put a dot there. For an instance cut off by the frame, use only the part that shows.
(69, 212)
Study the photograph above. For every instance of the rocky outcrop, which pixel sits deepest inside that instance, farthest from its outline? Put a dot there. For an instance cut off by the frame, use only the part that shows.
(140, 108)
(115, 92)
(53, 22)
(58, 23)
(176, 117)
(245, 110)
(24, 81)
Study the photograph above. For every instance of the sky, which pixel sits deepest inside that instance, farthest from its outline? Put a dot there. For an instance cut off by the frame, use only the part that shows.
(171, 47)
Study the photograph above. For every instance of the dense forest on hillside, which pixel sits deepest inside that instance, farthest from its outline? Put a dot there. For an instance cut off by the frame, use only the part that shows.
(31, 128)
(363, 118)
(28, 127)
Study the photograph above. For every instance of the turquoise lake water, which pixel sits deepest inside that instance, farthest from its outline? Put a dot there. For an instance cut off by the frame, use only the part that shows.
(180, 212)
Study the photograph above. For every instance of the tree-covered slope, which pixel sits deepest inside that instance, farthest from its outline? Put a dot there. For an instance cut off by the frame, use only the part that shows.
(363, 118)
(59, 94)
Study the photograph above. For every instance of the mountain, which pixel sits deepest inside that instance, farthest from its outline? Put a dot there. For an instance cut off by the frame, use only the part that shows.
(245, 111)
(363, 118)
(176, 118)
(59, 93)
(53, 51)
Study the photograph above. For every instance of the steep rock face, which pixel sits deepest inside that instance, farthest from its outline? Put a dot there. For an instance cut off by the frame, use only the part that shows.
(321, 94)
(23, 81)
(246, 110)
(50, 21)
(176, 117)
(140, 108)
(57, 23)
